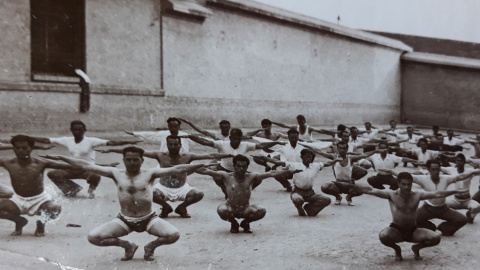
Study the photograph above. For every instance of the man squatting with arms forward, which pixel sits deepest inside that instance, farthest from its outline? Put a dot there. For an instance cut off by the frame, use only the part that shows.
(135, 193)
(238, 186)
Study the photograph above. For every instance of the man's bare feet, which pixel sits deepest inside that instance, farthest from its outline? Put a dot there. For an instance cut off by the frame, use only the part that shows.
(234, 226)
(398, 257)
(40, 231)
(91, 193)
(416, 252)
(148, 254)
(301, 211)
(19, 226)
(129, 252)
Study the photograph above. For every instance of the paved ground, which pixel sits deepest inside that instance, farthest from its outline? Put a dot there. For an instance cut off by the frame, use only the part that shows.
(340, 237)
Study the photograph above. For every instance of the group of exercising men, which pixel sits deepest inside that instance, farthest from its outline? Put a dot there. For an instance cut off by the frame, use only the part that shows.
(283, 160)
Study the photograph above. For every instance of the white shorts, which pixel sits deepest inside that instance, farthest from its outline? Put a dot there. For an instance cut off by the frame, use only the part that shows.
(174, 194)
(30, 205)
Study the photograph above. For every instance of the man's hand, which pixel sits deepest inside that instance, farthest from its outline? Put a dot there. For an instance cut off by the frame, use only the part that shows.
(103, 151)
(46, 147)
(113, 164)
(129, 132)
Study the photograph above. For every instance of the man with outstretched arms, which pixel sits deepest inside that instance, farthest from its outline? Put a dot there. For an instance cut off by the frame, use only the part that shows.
(233, 147)
(222, 135)
(342, 171)
(403, 206)
(437, 207)
(238, 186)
(26, 174)
(79, 146)
(383, 161)
(174, 187)
(135, 195)
(462, 200)
(6, 191)
(303, 196)
(173, 125)
(304, 131)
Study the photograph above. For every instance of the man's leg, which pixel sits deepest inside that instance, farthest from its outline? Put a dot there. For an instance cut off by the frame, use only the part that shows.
(251, 214)
(160, 198)
(358, 172)
(298, 201)
(93, 180)
(167, 234)
(424, 238)
(332, 189)
(263, 163)
(389, 237)
(376, 182)
(454, 220)
(316, 203)
(476, 196)
(48, 210)
(10, 211)
(473, 210)
(5, 192)
(61, 179)
(350, 195)
(226, 212)
(391, 181)
(284, 182)
(193, 196)
(424, 214)
(108, 235)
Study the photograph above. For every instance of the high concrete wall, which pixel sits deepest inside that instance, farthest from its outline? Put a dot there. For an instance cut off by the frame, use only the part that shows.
(123, 43)
(244, 62)
(15, 40)
(441, 90)
(237, 54)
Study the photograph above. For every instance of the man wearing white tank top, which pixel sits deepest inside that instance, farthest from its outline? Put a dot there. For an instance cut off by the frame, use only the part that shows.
(343, 173)
(304, 130)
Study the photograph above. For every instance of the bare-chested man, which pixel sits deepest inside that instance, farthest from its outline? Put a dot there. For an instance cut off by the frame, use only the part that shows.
(437, 208)
(79, 146)
(135, 195)
(174, 187)
(26, 174)
(303, 196)
(403, 206)
(239, 189)
(233, 147)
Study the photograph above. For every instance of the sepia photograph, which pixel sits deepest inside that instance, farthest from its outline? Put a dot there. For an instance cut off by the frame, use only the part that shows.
(239, 134)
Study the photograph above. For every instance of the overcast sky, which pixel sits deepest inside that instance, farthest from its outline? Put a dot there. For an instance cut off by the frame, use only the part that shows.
(449, 19)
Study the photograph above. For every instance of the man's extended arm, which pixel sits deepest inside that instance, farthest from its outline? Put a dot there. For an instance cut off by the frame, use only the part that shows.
(384, 194)
(282, 125)
(198, 129)
(84, 165)
(266, 145)
(437, 194)
(199, 140)
(319, 151)
(464, 176)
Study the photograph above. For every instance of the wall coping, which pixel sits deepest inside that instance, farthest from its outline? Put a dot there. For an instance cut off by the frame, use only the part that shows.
(295, 18)
(74, 88)
(439, 59)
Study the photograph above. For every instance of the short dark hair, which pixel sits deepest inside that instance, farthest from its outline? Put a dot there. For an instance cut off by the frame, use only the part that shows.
(341, 127)
(404, 175)
(306, 151)
(240, 158)
(173, 137)
(301, 117)
(343, 131)
(423, 140)
(224, 122)
(435, 127)
(292, 131)
(133, 149)
(266, 122)
(236, 132)
(22, 138)
(461, 156)
(174, 119)
(392, 121)
(353, 128)
(368, 123)
(78, 122)
(433, 161)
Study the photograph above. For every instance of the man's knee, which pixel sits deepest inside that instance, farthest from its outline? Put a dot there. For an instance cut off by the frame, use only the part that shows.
(195, 194)
(158, 196)
(225, 212)
(55, 175)
(259, 213)
(327, 188)
(296, 199)
(94, 237)
(172, 237)
(371, 180)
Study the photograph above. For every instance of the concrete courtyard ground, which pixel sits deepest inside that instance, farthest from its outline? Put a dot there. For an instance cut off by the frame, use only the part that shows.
(340, 237)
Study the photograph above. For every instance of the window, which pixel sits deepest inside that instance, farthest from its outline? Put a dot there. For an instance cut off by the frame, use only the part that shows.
(58, 38)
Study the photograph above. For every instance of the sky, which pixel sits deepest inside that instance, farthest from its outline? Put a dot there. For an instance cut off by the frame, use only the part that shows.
(446, 19)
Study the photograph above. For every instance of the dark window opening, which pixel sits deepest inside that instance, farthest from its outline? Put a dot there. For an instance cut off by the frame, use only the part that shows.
(58, 37)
